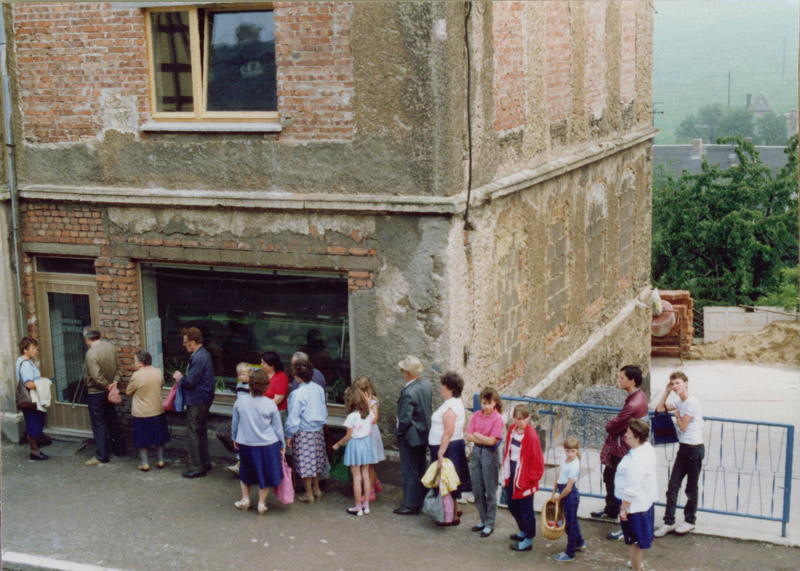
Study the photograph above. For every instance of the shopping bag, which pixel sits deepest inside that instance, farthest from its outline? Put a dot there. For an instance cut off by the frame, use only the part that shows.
(285, 491)
(433, 505)
(169, 402)
(339, 471)
(663, 429)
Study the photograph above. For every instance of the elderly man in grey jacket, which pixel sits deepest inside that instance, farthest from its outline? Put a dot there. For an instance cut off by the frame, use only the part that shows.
(413, 425)
(103, 370)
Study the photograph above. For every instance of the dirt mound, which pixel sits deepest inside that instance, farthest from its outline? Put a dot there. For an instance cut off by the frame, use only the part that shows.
(778, 342)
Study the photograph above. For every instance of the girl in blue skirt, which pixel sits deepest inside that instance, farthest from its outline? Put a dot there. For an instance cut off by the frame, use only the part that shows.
(359, 453)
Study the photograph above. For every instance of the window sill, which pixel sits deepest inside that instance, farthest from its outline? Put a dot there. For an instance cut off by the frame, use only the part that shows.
(211, 127)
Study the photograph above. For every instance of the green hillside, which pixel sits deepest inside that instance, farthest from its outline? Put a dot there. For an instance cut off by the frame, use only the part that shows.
(696, 43)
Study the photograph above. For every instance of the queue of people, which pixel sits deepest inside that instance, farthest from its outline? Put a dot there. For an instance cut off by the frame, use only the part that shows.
(268, 417)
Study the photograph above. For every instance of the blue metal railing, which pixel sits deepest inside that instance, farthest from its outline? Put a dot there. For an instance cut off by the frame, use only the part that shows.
(747, 469)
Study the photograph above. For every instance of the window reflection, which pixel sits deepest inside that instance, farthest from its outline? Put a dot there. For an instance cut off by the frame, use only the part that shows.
(172, 61)
(241, 56)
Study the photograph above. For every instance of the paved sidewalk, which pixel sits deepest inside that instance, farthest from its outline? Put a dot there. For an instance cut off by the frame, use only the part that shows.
(113, 516)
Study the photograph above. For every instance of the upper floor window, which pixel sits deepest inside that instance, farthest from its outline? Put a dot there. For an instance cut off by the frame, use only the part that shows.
(212, 63)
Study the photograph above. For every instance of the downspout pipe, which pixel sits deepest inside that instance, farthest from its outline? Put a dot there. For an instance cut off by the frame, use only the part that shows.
(11, 164)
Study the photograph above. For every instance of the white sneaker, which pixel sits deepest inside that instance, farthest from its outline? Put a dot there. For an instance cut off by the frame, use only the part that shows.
(684, 528)
(664, 530)
(234, 468)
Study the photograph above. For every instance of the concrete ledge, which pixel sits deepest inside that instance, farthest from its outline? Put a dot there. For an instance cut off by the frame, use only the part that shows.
(212, 127)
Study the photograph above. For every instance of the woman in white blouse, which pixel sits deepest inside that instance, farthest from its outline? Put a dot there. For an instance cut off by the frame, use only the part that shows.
(446, 440)
(636, 490)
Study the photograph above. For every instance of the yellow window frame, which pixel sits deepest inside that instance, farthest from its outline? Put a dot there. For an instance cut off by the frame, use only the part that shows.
(199, 63)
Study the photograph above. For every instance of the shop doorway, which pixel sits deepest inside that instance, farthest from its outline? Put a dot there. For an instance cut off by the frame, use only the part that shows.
(67, 303)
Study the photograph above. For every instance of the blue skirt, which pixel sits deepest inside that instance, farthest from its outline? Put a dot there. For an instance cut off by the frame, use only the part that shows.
(639, 527)
(34, 422)
(359, 452)
(260, 465)
(150, 431)
(377, 444)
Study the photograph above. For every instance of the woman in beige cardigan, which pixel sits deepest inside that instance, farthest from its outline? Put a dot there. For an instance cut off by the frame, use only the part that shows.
(149, 418)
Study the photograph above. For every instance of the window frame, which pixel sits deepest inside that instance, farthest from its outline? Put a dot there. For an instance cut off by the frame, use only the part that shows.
(199, 64)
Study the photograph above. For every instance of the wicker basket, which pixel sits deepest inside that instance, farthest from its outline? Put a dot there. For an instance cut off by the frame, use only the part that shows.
(552, 521)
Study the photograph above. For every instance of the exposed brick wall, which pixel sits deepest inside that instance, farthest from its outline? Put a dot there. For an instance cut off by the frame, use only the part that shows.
(596, 61)
(315, 70)
(68, 54)
(62, 224)
(558, 61)
(508, 39)
(118, 292)
(627, 91)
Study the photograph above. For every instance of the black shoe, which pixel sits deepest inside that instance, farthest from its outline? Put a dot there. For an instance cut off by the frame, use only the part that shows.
(194, 474)
(603, 515)
(40, 456)
(516, 537)
(406, 511)
(486, 533)
(516, 547)
(478, 527)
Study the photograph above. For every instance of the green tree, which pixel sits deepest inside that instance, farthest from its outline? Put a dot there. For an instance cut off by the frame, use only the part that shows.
(724, 235)
(712, 123)
(771, 129)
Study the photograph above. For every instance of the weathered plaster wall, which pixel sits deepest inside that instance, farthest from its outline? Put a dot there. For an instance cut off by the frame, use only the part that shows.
(516, 331)
(9, 316)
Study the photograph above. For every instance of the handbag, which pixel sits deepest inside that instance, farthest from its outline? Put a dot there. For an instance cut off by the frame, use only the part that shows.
(663, 429)
(433, 505)
(285, 490)
(113, 395)
(339, 471)
(23, 395)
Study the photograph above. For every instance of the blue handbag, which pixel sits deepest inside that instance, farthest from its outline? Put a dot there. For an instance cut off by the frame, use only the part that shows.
(663, 428)
(179, 399)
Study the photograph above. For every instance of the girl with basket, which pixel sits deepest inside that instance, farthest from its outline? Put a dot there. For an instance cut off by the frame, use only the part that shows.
(570, 498)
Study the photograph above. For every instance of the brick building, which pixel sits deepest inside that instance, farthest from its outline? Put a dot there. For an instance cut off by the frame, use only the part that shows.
(354, 179)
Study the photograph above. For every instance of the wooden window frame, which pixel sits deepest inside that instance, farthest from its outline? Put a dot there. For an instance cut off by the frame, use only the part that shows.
(199, 63)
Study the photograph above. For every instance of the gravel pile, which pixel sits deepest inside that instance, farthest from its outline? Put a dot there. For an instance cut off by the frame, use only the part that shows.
(591, 426)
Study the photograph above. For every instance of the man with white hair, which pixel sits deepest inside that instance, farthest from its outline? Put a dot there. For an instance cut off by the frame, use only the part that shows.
(413, 425)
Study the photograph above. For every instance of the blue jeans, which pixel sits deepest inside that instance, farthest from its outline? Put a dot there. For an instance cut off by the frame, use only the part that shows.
(688, 463)
(105, 427)
(570, 506)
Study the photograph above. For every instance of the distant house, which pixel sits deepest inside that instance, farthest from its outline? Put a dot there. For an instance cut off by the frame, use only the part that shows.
(678, 158)
(760, 107)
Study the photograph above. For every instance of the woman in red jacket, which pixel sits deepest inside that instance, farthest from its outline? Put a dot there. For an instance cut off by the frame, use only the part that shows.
(523, 466)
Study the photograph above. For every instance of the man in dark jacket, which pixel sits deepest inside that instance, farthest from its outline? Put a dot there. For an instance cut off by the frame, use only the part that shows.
(413, 425)
(198, 393)
(629, 380)
(103, 371)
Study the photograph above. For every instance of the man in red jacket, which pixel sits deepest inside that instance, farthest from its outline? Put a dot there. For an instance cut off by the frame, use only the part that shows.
(629, 380)
(523, 466)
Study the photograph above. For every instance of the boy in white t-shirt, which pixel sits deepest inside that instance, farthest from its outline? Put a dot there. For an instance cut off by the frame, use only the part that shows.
(689, 461)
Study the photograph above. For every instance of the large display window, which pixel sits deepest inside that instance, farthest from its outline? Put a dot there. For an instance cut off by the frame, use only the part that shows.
(242, 314)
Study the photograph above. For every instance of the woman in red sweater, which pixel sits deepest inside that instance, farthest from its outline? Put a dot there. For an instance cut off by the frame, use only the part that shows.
(523, 466)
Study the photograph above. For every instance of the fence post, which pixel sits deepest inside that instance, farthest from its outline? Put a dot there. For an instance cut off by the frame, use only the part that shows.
(787, 492)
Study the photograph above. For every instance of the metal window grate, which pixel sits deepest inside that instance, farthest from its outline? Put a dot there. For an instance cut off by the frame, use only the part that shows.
(82, 266)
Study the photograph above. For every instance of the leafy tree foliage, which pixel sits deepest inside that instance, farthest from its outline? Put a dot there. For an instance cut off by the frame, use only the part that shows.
(711, 122)
(725, 235)
(787, 294)
(771, 130)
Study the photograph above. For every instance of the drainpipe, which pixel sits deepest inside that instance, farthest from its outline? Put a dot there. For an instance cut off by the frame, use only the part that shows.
(11, 169)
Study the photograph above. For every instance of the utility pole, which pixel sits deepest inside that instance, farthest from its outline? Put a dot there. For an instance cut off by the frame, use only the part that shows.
(729, 90)
(783, 69)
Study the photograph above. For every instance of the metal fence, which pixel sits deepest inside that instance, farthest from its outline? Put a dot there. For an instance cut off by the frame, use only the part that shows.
(747, 469)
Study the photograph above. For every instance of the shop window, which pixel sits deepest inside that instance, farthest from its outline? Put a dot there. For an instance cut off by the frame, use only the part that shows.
(243, 314)
(209, 64)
